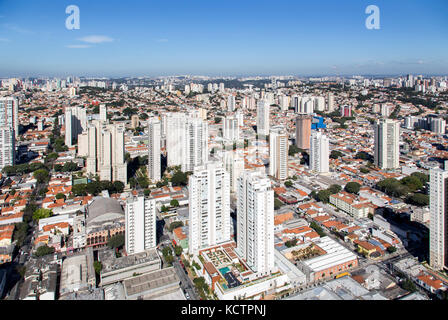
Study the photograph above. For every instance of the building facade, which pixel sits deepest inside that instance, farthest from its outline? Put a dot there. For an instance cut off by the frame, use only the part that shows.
(209, 207)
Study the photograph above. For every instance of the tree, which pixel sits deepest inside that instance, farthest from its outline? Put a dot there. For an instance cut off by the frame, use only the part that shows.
(424, 178)
(42, 214)
(178, 250)
(44, 251)
(169, 259)
(293, 150)
(164, 209)
(418, 199)
(324, 196)
(364, 170)
(318, 229)
(166, 251)
(352, 187)
(79, 190)
(41, 175)
(391, 249)
(174, 203)
(175, 225)
(335, 188)
(412, 182)
(277, 204)
(336, 154)
(60, 196)
(409, 285)
(291, 243)
(179, 179)
(288, 184)
(70, 167)
(364, 156)
(98, 266)
(117, 241)
(118, 186)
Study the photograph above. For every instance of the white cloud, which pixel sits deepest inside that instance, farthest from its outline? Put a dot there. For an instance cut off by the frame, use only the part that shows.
(4, 40)
(78, 46)
(96, 39)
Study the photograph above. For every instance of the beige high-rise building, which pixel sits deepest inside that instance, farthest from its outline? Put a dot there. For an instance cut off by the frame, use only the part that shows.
(105, 151)
(330, 103)
(387, 144)
(278, 153)
(303, 131)
(135, 121)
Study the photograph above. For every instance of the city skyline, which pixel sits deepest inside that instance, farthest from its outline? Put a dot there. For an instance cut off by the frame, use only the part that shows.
(153, 39)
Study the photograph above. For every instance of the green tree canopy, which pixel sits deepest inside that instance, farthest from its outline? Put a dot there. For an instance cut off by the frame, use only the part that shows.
(412, 182)
(41, 175)
(42, 214)
(44, 251)
(175, 225)
(179, 179)
(336, 154)
(352, 187)
(117, 241)
(418, 199)
(335, 188)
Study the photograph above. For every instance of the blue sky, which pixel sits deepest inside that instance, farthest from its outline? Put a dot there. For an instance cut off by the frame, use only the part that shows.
(217, 37)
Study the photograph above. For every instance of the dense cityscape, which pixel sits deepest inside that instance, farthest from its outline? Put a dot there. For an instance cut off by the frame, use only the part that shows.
(224, 188)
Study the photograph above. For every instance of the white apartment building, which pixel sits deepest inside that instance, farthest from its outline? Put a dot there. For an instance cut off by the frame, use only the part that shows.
(103, 112)
(387, 148)
(9, 113)
(209, 207)
(234, 165)
(263, 113)
(231, 104)
(438, 218)
(7, 147)
(319, 152)
(438, 125)
(141, 233)
(231, 129)
(278, 153)
(154, 153)
(187, 141)
(75, 123)
(255, 222)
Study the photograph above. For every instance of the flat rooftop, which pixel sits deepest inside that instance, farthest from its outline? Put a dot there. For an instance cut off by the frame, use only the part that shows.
(111, 263)
(152, 281)
(336, 254)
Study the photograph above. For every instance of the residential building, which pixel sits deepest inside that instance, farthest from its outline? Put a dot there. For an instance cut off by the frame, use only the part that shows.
(209, 206)
(319, 152)
(387, 148)
(255, 222)
(154, 154)
(278, 153)
(141, 219)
